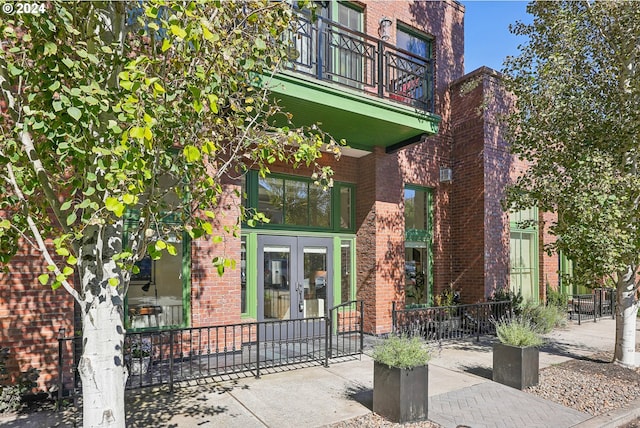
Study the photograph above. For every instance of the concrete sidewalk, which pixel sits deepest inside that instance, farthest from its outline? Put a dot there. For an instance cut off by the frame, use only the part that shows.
(315, 396)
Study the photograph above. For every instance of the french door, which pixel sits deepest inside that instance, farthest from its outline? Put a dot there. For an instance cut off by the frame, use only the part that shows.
(294, 279)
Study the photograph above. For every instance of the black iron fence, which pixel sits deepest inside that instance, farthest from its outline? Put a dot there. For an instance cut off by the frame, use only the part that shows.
(450, 322)
(329, 51)
(599, 304)
(165, 357)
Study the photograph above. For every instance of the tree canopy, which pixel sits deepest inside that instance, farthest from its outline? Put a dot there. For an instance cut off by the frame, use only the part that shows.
(122, 122)
(577, 122)
(112, 106)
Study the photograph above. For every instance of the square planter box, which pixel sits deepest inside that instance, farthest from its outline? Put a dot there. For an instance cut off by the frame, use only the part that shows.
(401, 395)
(515, 366)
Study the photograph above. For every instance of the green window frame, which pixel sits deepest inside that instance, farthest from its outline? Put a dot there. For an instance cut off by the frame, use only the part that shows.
(340, 194)
(418, 244)
(523, 253)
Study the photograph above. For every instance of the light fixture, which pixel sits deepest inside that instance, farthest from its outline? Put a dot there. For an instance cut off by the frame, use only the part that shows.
(384, 28)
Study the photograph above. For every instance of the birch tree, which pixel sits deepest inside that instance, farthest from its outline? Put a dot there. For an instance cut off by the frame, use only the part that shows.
(577, 83)
(138, 110)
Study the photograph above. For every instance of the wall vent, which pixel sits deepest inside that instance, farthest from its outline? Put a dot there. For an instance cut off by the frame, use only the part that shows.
(446, 175)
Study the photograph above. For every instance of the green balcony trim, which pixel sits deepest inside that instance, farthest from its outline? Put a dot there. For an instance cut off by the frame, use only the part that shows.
(359, 117)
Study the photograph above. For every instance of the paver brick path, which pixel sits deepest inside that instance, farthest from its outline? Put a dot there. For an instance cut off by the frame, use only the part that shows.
(491, 404)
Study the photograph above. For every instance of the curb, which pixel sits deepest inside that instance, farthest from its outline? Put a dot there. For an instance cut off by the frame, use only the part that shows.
(614, 418)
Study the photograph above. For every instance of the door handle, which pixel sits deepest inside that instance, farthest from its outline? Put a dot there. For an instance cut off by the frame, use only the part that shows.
(300, 297)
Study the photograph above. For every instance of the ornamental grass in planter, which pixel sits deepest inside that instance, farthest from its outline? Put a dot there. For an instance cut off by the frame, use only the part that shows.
(401, 379)
(516, 358)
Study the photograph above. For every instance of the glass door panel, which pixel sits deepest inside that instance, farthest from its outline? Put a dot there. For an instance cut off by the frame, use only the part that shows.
(315, 281)
(277, 279)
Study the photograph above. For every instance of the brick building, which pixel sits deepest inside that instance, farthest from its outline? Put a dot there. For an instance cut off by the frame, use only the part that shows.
(416, 205)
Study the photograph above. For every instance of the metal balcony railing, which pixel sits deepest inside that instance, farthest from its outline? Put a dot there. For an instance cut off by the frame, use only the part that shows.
(331, 52)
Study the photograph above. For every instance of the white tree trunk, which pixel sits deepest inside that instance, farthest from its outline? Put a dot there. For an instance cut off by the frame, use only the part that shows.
(101, 366)
(626, 316)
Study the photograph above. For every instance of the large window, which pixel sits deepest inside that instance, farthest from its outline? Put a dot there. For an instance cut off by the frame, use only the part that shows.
(414, 75)
(523, 253)
(417, 220)
(156, 295)
(297, 203)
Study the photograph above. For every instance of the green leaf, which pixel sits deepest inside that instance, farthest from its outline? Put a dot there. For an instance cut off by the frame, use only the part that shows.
(65, 206)
(178, 31)
(54, 86)
(136, 132)
(220, 269)
(191, 153)
(72, 260)
(114, 205)
(44, 278)
(69, 63)
(114, 282)
(67, 270)
(128, 199)
(74, 112)
(71, 218)
(171, 249)
(160, 245)
(166, 45)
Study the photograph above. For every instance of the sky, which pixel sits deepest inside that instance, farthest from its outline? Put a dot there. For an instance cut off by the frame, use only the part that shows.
(487, 40)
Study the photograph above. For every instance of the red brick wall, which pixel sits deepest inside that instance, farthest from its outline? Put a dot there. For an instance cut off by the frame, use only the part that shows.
(549, 263)
(215, 299)
(382, 176)
(31, 315)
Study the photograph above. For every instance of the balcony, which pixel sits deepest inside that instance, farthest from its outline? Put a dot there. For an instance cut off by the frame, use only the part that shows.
(358, 87)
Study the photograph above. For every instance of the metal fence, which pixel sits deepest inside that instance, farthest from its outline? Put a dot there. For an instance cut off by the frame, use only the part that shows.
(329, 51)
(165, 357)
(599, 304)
(450, 322)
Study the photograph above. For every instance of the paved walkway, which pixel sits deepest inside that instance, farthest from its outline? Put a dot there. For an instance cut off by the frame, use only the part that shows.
(460, 388)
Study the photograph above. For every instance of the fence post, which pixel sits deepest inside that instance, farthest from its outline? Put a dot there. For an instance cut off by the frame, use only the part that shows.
(381, 82)
(258, 350)
(393, 317)
(477, 326)
(171, 352)
(319, 50)
(61, 333)
(361, 326)
(327, 337)
(579, 310)
(595, 312)
(613, 304)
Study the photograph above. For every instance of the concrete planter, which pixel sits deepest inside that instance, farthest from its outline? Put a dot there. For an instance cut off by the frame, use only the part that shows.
(139, 365)
(515, 366)
(401, 395)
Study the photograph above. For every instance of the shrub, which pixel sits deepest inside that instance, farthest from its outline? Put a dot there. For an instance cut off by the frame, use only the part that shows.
(506, 295)
(11, 393)
(518, 332)
(556, 298)
(544, 318)
(402, 352)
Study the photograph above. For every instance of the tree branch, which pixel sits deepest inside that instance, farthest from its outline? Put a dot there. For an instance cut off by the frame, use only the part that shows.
(43, 179)
(38, 237)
